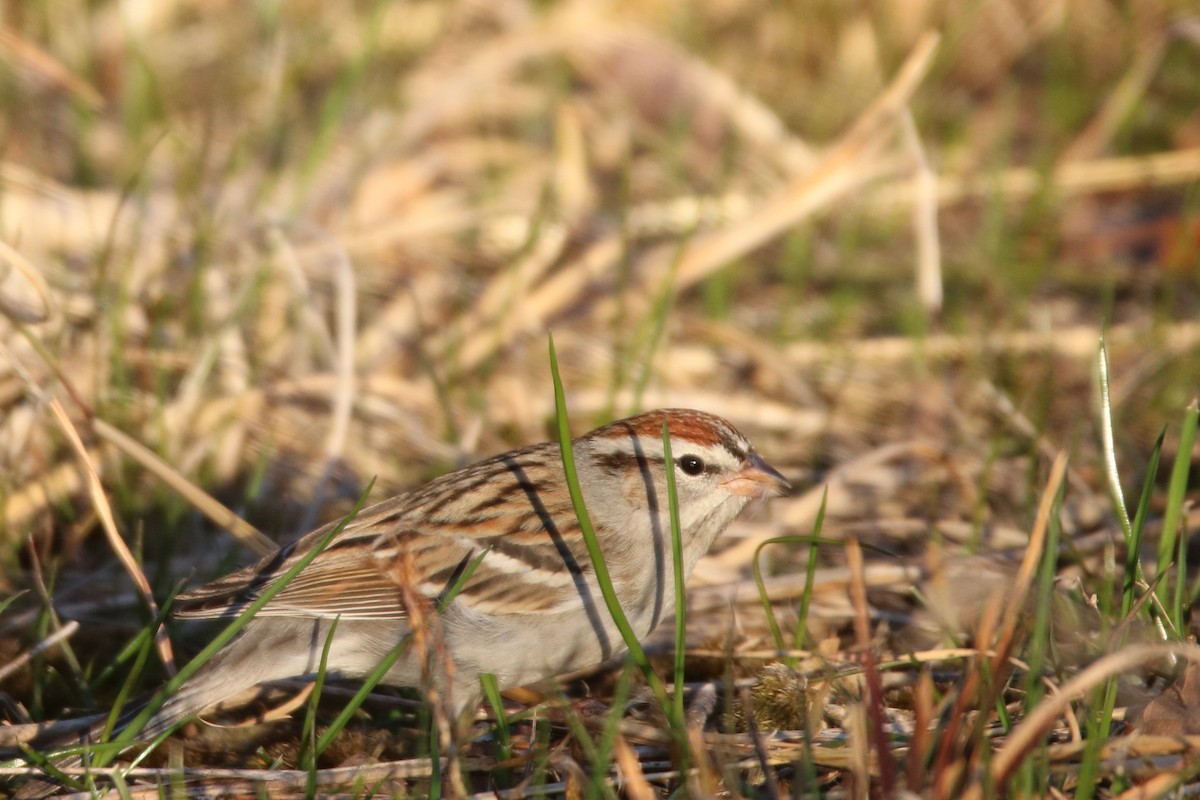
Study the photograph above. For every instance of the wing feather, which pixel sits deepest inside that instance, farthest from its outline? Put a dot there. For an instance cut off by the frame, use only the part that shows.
(536, 560)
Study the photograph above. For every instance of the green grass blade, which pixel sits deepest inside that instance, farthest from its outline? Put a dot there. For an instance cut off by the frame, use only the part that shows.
(1109, 445)
(1176, 497)
(810, 572)
(122, 788)
(9, 600)
(593, 789)
(763, 598)
(1104, 697)
(606, 742)
(1132, 529)
(368, 685)
(1179, 606)
(1040, 635)
(1133, 547)
(132, 649)
(1178, 485)
(308, 741)
(542, 751)
(49, 767)
(491, 690)
(447, 597)
(677, 563)
(599, 567)
(144, 643)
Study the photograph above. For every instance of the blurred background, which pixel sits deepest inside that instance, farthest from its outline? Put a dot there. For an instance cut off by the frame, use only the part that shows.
(289, 247)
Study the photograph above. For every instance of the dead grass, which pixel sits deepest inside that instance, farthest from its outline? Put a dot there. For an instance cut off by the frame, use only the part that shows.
(262, 256)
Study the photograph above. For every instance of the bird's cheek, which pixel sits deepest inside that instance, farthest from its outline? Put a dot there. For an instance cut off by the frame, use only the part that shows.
(634, 488)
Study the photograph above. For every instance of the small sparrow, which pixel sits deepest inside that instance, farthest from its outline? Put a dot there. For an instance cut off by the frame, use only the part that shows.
(532, 608)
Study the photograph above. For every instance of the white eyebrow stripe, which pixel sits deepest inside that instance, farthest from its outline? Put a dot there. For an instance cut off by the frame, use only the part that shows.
(502, 562)
(653, 448)
(648, 446)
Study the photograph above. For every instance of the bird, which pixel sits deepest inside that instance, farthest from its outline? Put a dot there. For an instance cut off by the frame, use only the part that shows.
(531, 607)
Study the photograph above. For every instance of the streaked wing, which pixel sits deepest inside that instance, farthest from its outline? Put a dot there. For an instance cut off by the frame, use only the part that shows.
(535, 553)
(337, 571)
(354, 590)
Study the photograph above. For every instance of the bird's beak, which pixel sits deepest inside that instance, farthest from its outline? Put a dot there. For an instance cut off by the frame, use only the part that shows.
(757, 480)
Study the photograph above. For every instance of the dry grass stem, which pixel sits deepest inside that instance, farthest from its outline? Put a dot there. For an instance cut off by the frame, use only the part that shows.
(1025, 735)
(109, 524)
(221, 515)
(63, 633)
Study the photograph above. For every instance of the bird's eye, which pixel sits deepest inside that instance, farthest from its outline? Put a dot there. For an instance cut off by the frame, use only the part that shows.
(692, 465)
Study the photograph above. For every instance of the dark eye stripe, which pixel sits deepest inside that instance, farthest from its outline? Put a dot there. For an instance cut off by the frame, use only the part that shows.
(623, 462)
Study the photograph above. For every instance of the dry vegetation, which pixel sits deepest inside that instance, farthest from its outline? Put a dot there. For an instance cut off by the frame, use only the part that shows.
(270, 253)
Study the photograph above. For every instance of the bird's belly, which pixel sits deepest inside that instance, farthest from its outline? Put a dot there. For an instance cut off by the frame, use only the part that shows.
(519, 649)
(524, 649)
